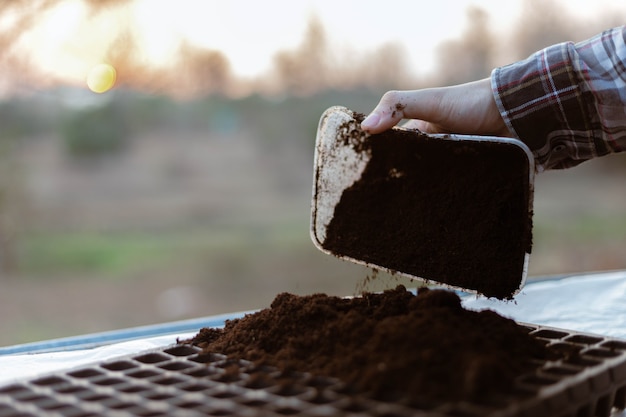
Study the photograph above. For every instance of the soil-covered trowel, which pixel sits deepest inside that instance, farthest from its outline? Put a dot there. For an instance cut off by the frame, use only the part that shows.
(449, 209)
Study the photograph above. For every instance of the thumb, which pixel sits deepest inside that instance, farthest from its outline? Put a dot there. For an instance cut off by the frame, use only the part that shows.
(467, 108)
(397, 105)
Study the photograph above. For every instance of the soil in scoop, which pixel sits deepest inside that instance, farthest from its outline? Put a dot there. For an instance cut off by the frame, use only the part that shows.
(455, 212)
(423, 350)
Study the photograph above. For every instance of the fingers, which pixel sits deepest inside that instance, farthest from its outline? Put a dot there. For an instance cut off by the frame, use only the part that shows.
(422, 126)
(388, 112)
(467, 108)
(397, 105)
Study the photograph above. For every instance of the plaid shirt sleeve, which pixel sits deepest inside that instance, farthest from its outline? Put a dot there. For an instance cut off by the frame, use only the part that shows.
(568, 101)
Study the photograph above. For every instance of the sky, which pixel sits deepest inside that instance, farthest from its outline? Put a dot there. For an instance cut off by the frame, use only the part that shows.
(252, 31)
(349, 24)
(66, 38)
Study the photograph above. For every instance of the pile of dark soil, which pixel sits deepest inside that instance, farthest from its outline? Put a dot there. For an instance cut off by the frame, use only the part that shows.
(442, 210)
(394, 345)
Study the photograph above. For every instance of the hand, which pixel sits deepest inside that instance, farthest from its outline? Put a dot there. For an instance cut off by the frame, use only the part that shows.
(465, 109)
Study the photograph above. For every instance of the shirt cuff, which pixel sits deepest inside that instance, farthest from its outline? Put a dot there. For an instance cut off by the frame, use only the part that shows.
(543, 101)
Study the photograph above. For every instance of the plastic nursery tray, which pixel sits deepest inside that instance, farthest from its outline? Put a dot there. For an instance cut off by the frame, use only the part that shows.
(180, 380)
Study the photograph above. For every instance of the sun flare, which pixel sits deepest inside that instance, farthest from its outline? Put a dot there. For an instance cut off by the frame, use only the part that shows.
(101, 78)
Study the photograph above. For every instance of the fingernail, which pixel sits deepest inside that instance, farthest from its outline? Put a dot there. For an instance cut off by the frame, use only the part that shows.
(370, 121)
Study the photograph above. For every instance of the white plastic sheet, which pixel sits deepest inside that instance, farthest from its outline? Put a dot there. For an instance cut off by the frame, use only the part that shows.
(16, 367)
(590, 303)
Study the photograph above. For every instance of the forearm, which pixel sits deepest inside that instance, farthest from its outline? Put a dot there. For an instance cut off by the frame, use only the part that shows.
(567, 102)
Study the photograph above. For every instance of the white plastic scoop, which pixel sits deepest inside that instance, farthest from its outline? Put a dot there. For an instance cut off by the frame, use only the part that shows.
(451, 209)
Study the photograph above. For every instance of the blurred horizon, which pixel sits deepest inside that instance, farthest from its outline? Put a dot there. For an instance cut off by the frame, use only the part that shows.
(185, 190)
(185, 50)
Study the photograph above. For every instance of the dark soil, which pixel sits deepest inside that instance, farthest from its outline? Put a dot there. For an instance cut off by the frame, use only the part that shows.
(454, 212)
(423, 349)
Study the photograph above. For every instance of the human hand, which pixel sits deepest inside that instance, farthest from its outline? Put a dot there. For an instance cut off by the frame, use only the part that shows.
(465, 109)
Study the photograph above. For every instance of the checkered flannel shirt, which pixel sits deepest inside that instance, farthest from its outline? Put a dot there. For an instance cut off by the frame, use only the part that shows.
(568, 101)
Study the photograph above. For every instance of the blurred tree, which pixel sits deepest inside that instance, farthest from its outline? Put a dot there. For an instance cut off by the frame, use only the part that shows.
(471, 57)
(541, 24)
(316, 66)
(305, 70)
(203, 71)
(96, 131)
(385, 68)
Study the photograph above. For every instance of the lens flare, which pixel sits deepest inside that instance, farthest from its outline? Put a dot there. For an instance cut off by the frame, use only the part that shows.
(101, 78)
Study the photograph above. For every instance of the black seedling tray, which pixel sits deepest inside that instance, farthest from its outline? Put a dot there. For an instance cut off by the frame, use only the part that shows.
(180, 380)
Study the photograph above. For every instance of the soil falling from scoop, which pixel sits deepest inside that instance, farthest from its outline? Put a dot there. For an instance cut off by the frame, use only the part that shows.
(421, 349)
